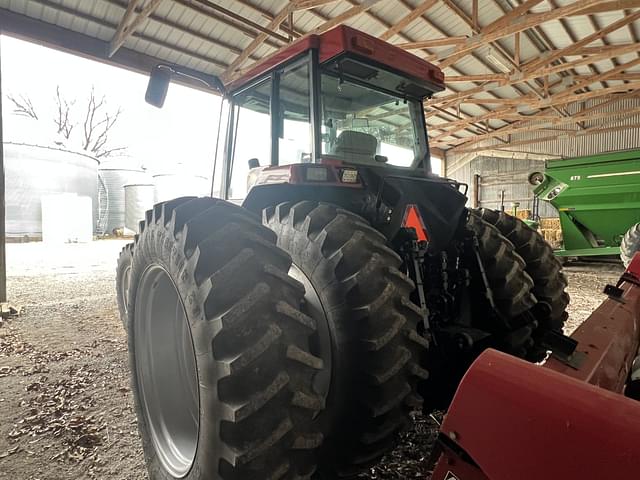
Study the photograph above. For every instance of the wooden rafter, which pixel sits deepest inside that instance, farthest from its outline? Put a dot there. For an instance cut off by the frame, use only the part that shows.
(256, 26)
(280, 17)
(436, 42)
(508, 25)
(416, 13)
(563, 52)
(528, 126)
(130, 22)
(565, 134)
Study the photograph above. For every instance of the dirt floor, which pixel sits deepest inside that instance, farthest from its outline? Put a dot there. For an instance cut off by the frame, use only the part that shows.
(65, 402)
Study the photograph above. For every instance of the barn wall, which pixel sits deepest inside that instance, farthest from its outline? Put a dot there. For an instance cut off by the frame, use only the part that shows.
(508, 164)
(502, 174)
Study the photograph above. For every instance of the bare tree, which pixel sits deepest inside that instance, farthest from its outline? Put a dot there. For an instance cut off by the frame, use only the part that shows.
(63, 120)
(96, 119)
(97, 125)
(22, 106)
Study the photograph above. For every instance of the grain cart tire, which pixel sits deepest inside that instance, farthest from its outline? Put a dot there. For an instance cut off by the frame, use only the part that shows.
(123, 277)
(369, 342)
(221, 369)
(510, 284)
(549, 282)
(630, 244)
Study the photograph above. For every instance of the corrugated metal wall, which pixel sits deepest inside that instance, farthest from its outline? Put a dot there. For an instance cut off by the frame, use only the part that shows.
(502, 174)
(506, 167)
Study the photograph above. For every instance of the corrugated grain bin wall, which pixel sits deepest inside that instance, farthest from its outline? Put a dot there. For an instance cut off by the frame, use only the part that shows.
(115, 177)
(33, 171)
(138, 198)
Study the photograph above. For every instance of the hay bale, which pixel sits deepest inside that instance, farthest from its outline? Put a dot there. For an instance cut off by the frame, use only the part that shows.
(550, 223)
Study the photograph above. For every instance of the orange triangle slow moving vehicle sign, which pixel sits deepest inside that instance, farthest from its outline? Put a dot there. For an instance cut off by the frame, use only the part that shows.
(412, 219)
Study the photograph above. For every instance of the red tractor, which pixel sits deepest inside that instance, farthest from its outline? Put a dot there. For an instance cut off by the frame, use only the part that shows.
(287, 330)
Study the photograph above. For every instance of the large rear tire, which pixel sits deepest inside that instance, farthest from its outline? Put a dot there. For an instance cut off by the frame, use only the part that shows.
(511, 285)
(630, 244)
(373, 348)
(123, 279)
(221, 369)
(549, 281)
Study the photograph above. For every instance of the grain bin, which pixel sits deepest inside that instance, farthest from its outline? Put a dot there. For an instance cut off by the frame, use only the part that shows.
(115, 175)
(173, 185)
(34, 171)
(138, 198)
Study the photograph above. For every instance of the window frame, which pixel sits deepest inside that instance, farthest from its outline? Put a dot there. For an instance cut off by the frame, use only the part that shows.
(316, 70)
(415, 110)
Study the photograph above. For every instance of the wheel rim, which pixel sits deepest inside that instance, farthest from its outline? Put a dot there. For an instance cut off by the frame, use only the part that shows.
(126, 280)
(322, 345)
(166, 371)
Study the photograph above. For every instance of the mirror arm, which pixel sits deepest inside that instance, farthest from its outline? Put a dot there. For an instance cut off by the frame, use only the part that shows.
(211, 81)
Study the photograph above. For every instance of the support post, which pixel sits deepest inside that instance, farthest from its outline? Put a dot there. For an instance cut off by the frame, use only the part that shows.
(476, 191)
(3, 237)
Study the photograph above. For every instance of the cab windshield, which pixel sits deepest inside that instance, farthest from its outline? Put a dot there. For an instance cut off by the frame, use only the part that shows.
(364, 125)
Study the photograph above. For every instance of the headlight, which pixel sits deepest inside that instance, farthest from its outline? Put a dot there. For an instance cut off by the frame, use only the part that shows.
(554, 193)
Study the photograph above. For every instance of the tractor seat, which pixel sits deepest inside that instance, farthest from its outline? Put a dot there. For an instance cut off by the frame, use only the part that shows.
(356, 147)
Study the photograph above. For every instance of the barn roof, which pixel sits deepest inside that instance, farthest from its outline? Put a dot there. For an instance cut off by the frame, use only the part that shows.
(512, 66)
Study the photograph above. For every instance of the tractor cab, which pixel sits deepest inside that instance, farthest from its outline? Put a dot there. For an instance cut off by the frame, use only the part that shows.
(339, 98)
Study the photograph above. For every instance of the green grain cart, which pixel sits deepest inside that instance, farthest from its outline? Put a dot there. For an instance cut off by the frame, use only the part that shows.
(598, 200)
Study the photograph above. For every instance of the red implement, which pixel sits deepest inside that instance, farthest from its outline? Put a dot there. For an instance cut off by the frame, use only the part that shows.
(514, 420)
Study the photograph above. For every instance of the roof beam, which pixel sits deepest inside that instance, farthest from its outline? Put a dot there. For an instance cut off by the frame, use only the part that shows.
(309, 4)
(352, 12)
(544, 72)
(408, 19)
(609, 6)
(130, 22)
(436, 42)
(502, 51)
(234, 69)
(583, 133)
(207, 12)
(240, 59)
(536, 64)
(85, 46)
(241, 19)
(528, 126)
(511, 112)
(558, 99)
(498, 30)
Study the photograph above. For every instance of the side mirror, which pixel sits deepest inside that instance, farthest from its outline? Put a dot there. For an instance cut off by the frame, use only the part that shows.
(253, 163)
(381, 159)
(158, 86)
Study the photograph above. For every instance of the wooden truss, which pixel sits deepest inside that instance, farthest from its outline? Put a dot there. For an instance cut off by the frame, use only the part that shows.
(556, 89)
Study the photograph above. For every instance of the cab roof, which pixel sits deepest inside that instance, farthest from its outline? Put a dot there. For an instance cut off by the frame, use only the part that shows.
(345, 40)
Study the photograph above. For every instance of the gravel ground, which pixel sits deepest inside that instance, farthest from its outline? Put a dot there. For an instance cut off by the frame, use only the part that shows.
(65, 402)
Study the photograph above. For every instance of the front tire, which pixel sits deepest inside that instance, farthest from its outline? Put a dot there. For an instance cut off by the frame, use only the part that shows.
(221, 371)
(373, 348)
(630, 244)
(123, 280)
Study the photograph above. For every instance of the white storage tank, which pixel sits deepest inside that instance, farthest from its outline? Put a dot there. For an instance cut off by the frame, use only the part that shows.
(114, 176)
(35, 171)
(66, 218)
(168, 186)
(138, 198)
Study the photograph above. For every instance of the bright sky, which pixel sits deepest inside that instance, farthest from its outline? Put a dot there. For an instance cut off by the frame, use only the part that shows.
(182, 132)
(181, 135)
